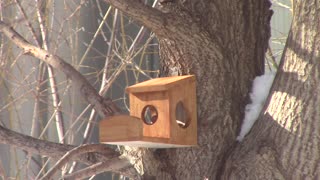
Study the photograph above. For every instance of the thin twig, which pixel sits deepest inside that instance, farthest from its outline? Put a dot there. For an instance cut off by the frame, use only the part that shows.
(94, 37)
(273, 59)
(104, 106)
(141, 31)
(29, 26)
(76, 152)
(89, 127)
(148, 16)
(110, 165)
(53, 84)
(46, 148)
(35, 123)
(88, 131)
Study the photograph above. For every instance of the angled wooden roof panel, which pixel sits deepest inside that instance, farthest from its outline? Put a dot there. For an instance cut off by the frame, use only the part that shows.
(160, 84)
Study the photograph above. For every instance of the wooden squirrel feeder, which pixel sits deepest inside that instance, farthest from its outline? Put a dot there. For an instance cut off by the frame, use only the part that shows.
(162, 115)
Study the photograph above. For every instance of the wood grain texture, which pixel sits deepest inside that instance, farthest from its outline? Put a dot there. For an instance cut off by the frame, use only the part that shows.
(120, 128)
(161, 84)
(164, 94)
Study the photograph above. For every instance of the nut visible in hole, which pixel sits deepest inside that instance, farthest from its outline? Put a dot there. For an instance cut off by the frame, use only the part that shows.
(182, 117)
(149, 114)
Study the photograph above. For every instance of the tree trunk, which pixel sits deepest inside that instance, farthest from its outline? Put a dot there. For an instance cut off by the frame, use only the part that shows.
(284, 143)
(223, 43)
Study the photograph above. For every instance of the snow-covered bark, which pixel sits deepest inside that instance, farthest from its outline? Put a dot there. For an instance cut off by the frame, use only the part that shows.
(284, 142)
(260, 90)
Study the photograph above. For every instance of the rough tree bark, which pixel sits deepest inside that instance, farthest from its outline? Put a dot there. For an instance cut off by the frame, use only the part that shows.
(223, 43)
(284, 143)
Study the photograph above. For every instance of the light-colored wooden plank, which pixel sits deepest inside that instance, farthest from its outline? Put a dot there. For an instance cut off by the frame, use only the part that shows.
(160, 84)
(147, 144)
(187, 96)
(163, 94)
(151, 143)
(160, 101)
(120, 127)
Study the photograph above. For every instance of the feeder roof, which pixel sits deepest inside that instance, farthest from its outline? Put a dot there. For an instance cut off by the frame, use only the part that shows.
(160, 84)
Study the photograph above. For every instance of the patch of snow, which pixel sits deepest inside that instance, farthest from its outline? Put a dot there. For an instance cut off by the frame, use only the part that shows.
(258, 96)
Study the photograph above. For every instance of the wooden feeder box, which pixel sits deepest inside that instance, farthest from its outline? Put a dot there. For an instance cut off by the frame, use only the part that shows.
(162, 115)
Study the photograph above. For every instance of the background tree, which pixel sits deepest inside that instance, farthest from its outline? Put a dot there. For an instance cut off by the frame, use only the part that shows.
(284, 143)
(223, 43)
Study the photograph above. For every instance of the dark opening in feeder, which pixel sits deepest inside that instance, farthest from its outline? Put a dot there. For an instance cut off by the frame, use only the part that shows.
(149, 114)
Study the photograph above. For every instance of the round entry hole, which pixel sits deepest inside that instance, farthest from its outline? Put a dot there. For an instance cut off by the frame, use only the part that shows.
(149, 114)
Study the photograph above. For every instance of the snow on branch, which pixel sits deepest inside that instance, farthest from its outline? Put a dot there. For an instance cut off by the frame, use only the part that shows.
(104, 106)
(259, 94)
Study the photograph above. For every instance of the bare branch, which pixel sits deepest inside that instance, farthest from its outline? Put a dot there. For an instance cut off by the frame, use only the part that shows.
(104, 106)
(82, 150)
(162, 24)
(49, 149)
(110, 165)
(150, 17)
(29, 26)
(57, 150)
(88, 131)
(52, 79)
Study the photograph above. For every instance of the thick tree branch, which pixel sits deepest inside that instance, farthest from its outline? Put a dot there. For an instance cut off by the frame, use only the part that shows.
(94, 155)
(104, 106)
(57, 151)
(110, 165)
(168, 25)
(89, 148)
(50, 149)
(150, 17)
